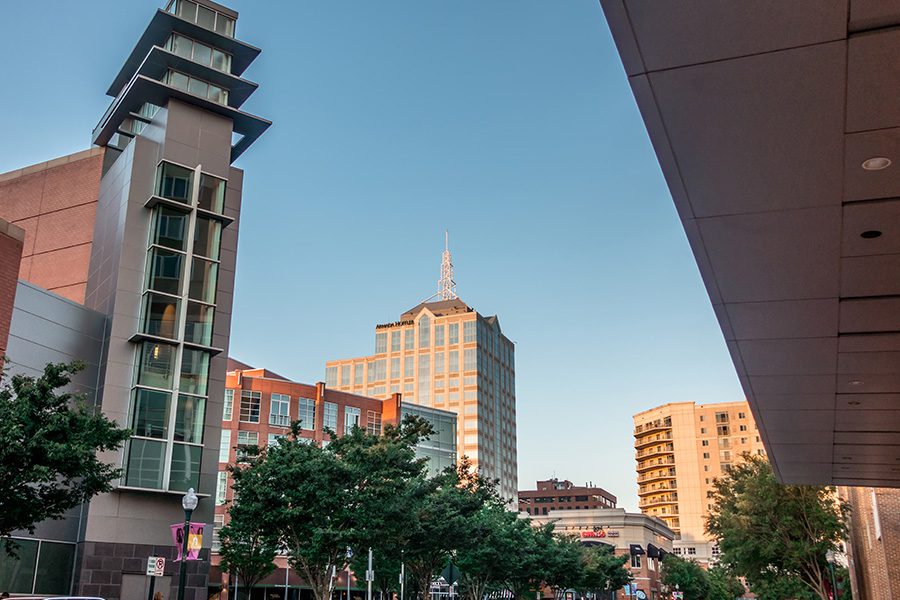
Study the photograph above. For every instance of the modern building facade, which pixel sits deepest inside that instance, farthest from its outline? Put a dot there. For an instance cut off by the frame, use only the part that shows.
(680, 449)
(446, 355)
(260, 406)
(128, 264)
(555, 494)
(645, 540)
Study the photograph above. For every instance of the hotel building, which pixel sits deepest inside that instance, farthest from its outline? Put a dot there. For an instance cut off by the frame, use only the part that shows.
(446, 355)
(127, 263)
(260, 406)
(680, 449)
(553, 494)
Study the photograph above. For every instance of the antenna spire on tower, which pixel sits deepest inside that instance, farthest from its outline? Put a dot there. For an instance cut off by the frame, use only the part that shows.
(446, 284)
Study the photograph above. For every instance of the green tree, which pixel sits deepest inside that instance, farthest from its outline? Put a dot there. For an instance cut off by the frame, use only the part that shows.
(320, 501)
(498, 543)
(687, 575)
(723, 585)
(561, 563)
(776, 536)
(247, 551)
(602, 570)
(49, 441)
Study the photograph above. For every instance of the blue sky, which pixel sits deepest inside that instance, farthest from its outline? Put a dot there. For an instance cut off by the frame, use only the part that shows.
(508, 122)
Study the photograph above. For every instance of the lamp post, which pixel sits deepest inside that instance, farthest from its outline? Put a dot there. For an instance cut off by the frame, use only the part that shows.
(188, 503)
(830, 557)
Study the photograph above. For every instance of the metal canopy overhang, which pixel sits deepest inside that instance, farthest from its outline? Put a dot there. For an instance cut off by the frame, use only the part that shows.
(761, 115)
(158, 31)
(143, 89)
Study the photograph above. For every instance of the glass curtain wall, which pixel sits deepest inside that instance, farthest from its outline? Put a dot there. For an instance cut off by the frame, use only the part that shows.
(170, 392)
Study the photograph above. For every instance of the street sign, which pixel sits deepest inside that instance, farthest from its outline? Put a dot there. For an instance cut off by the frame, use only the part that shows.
(156, 566)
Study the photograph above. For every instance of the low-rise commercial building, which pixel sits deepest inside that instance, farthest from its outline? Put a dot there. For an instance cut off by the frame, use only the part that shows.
(555, 494)
(645, 540)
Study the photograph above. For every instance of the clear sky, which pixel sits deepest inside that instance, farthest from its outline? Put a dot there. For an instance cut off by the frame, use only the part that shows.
(508, 122)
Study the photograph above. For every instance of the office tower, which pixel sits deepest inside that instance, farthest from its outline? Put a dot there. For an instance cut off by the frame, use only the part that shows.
(680, 449)
(443, 353)
(137, 240)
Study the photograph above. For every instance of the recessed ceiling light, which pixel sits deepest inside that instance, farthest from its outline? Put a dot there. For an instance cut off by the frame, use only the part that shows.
(871, 234)
(846, 458)
(854, 403)
(854, 382)
(876, 163)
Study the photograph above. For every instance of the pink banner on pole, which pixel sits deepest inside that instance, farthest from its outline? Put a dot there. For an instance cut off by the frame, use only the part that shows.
(195, 539)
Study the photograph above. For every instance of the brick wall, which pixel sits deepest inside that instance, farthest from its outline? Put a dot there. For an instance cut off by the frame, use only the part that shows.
(55, 203)
(874, 548)
(11, 244)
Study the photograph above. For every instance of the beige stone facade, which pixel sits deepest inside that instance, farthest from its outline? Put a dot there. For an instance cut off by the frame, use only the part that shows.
(446, 355)
(680, 449)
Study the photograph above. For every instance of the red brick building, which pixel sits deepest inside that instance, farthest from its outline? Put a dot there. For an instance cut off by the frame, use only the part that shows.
(553, 494)
(11, 242)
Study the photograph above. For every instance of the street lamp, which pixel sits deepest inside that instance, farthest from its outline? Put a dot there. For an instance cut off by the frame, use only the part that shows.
(831, 558)
(188, 503)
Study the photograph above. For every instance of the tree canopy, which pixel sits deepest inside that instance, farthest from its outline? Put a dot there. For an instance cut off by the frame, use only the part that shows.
(49, 445)
(776, 536)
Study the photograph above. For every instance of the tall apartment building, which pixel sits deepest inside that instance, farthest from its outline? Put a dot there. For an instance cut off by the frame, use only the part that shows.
(680, 449)
(446, 355)
(259, 407)
(555, 494)
(128, 264)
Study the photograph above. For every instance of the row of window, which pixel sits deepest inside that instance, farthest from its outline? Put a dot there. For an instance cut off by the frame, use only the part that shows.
(199, 52)
(196, 86)
(203, 16)
(425, 339)
(376, 370)
(279, 412)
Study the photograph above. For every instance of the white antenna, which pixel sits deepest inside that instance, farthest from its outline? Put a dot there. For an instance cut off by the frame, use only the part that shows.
(446, 285)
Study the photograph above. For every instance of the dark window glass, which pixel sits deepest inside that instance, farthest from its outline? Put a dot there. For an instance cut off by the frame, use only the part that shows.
(54, 570)
(160, 315)
(178, 80)
(17, 575)
(221, 61)
(202, 53)
(203, 281)
(157, 365)
(164, 271)
(194, 372)
(189, 419)
(207, 236)
(169, 228)
(199, 324)
(212, 193)
(181, 46)
(206, 18)
(224, 25)
(174, 181)
(151, 413)
(185, 470)
(198, 87)
(144, 467)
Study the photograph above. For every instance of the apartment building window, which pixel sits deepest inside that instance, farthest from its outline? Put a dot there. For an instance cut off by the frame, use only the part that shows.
(715, 551)
(330, 417)
(757, 439)
(743, 440)
(469, 359)
(373, 422)
(678, 550)
(228, 406)
(218, 524)
(692, 550)
(280, 410)
(331, 376)
(706, 455)
(438, 335)
(345, 375)
(701, 420)
(721, 417)
(351, 418)
(635, 561)
(743, 428)
(703, 431)
(221, 487)
(306, 412)
(704, 443)
(381, 342)
(454, 333)
(246, 438)
(409, 340)
(395, 340)
(469, 332)
(358, 373)
(225, 446)
(706, 468)
(722, 430)
(250, 402)
(273, 439)
(742, 415)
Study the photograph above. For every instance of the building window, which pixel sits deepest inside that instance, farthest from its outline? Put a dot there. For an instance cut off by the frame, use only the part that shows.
(743, 428)
(691, 550)
(330, 417)
(438, 336)
(454, 362)
(701, 420)
(702, 430)
(468, 332)
(469, 359)
(395, 340)
(331, 376)
(454, 333)
(742, 415)
(409, 366)
(199, 52)
(307, 414)
(381, 342)
(438, 363)
(395, 367)
(204, 17)
(345, 375)
(704, 443)
(273, 439)
(218, 523)
(225, 446)
(635, 560)
(706, 455)
(195, 86)
(221, 487)
(373, 422)
(409, 340)
(351, 418)
(424, 332)
(246, 438)
(174, 183)
(358, 373)
(715, 551)
(250, 402)
(722, 430)
(280, 410)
